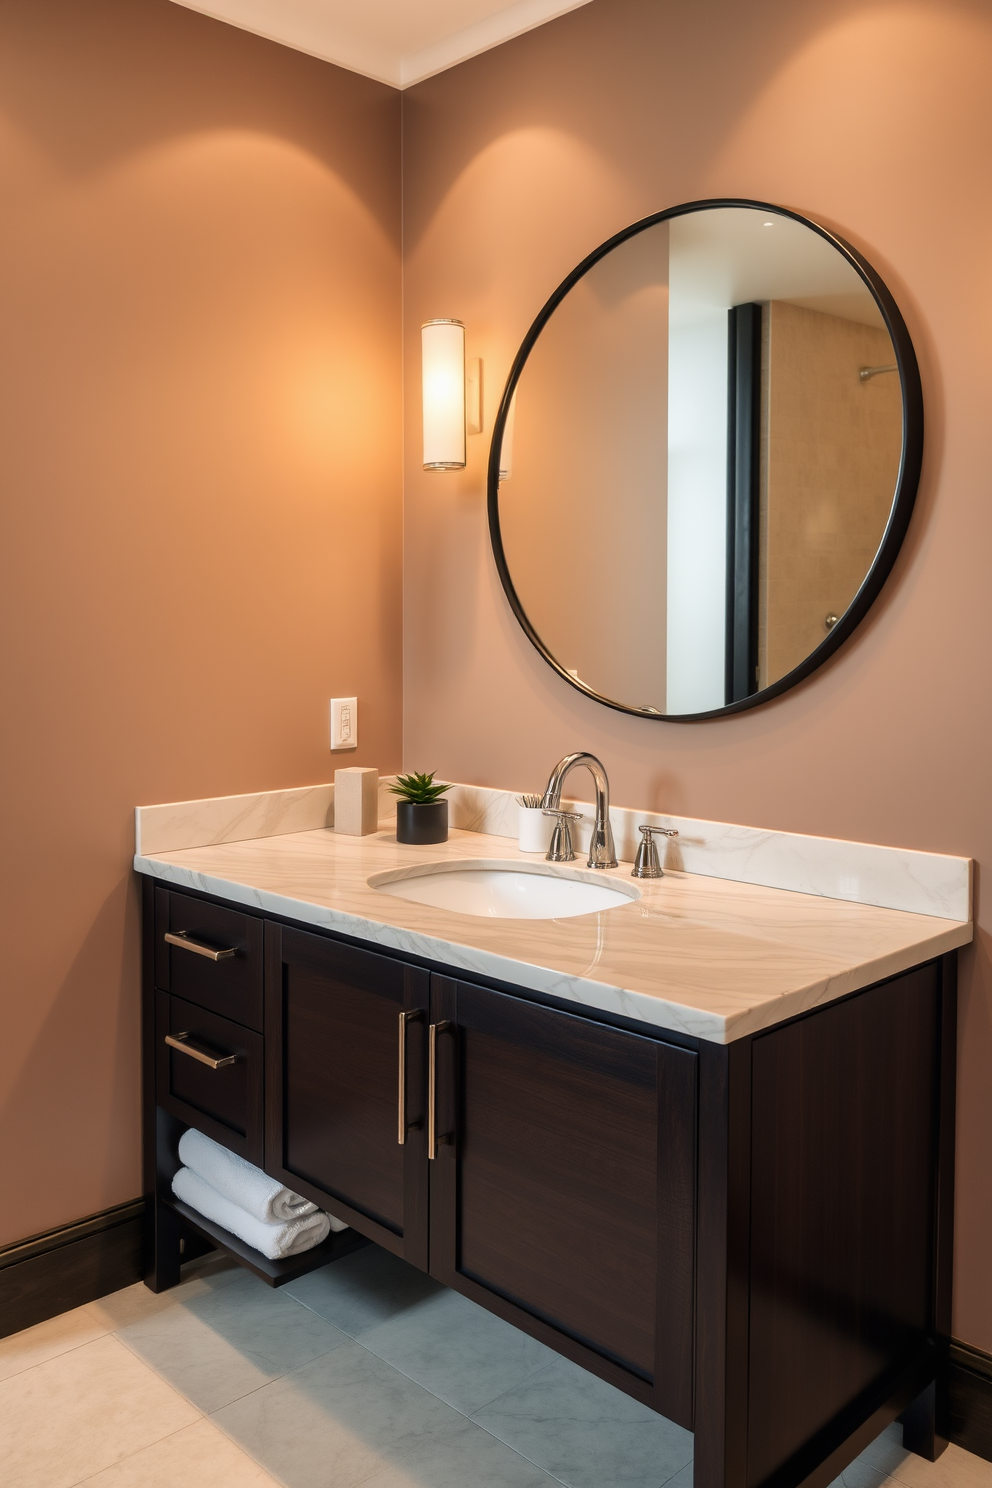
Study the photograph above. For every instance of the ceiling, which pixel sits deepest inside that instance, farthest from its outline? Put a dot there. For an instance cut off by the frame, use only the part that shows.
(396, 41)
(739, 254)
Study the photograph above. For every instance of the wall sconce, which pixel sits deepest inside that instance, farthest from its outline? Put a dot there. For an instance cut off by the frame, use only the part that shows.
(452, 393)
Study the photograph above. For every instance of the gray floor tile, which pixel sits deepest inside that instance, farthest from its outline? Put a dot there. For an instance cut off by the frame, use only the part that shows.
(682, 1479)
(585, 1432)
(859, 1475)
(363, 1289)
(350, 1419)
(458, 1351)
(221, 1345)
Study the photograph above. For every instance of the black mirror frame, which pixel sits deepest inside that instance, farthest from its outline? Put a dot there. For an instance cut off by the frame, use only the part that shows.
(907, 482)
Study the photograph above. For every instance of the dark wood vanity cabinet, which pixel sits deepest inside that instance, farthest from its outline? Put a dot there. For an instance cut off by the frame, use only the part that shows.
(753, 1239)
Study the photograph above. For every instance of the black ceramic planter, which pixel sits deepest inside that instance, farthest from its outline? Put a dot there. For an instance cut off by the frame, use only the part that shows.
(421, 822)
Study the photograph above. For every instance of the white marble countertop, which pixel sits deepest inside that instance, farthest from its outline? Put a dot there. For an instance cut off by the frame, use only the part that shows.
(699, 954)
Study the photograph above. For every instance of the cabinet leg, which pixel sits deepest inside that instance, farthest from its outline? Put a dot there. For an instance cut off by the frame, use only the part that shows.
(163, 1255)
(919, 1425)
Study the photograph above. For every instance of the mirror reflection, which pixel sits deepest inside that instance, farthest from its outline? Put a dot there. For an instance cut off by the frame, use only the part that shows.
(702, 458)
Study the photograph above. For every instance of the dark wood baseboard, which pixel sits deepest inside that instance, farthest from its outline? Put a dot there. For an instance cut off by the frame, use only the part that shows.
(69, 1266)
(965, 1412)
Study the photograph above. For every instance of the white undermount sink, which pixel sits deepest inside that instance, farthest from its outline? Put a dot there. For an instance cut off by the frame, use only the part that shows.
(496, 889)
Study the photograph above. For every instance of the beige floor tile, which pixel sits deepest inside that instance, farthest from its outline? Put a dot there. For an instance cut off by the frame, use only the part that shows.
(215, 1349)
(200, 1456)
(136, 1302)
(954, 1468)
(70, 1417)
(46, 1340)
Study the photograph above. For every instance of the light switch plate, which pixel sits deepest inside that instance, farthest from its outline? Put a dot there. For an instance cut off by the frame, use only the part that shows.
(344, 723)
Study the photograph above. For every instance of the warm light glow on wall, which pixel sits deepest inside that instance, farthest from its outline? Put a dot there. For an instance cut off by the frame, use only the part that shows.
(506, 447)
(443, 343)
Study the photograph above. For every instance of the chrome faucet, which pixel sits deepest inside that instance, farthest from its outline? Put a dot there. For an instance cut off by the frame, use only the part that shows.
(602, 853)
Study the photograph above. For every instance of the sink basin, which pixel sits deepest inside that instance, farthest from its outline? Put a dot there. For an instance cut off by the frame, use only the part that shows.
(505, 890)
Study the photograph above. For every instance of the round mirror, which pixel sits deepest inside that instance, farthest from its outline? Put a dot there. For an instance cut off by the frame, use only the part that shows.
(705, 459)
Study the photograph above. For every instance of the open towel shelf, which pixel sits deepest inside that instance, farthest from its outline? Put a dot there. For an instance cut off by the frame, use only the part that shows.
(273, 1273)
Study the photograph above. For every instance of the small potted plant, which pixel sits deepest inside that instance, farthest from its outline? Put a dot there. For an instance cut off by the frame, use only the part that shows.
(421, 815)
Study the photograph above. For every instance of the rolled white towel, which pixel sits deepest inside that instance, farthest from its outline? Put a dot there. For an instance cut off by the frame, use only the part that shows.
(277, 1241)
(240, 1181)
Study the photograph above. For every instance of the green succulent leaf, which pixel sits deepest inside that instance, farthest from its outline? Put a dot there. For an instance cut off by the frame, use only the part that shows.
(418, 788)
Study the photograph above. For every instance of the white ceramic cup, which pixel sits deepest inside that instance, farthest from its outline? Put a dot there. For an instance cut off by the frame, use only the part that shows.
(534, 829)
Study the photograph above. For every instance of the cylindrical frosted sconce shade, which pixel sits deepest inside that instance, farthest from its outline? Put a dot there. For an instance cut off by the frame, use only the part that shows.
(443, 344)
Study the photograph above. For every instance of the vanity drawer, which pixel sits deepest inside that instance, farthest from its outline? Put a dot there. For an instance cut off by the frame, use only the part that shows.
(210, 1075)
(209, 955)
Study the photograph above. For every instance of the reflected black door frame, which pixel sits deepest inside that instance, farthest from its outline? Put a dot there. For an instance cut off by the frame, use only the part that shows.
(743, 499)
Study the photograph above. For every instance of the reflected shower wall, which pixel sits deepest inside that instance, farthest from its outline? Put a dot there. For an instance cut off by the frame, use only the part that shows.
(830, 459)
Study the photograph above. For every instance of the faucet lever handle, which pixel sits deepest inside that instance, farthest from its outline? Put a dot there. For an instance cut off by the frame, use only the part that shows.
(561, 849)
(647, 864)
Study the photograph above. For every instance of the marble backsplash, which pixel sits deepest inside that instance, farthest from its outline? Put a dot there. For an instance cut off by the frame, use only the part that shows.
(862, 873)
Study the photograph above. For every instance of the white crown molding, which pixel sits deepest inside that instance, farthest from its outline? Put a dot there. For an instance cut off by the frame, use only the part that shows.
(295, 27)
(361, 46)
(513, 21)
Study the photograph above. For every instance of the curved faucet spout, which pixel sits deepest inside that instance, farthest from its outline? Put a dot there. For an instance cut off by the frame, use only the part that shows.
(602, 853)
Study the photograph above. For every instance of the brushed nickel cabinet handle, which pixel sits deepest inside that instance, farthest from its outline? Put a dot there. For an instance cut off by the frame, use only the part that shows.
(405, 1018)
(181, 939)
(432, 1136)
(180, 1041)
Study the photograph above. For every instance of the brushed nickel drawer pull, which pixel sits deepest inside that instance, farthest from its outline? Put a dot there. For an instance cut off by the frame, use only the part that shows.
(181, 939)
(432, 1136)
(401, 1123)
(179, 1041)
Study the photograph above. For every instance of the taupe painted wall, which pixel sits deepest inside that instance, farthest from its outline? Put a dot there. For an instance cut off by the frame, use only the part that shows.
(200, 476)
(876, 119)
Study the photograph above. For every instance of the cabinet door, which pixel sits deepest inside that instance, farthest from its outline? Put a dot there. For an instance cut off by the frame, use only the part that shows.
(563, 1186)
(338, 1096)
